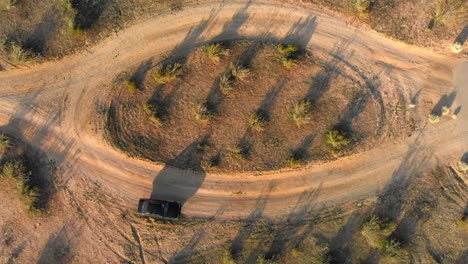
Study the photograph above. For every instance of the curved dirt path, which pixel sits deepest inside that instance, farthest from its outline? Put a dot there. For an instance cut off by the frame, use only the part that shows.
(54, 106)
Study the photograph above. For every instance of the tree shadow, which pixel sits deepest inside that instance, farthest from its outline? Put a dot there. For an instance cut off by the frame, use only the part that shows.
(88, 12)
(37, 40)
(352, 110)
(269, 101)
(415, 98)
(463, 258)
(231, 28)
(163, 98)
(446, 100)
(17, 252)
(61, 247)
(302, 151)
(465, 157)
(391, 203)
(301, 32)
(182, 176)
(237, 245)
(139, 74)
(461, 38)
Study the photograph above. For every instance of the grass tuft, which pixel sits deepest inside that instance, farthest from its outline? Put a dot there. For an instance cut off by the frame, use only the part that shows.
(201, 113)
(337, 140)
(225, 84)
(215, 51)
(167, 73)
(257, 122)
(288, 55)
(300, 112)
(17, 171)
(151, 109)
(239, 72)
(20, 56)
(131, 86)
(376, 233)
(434, 119)
(5, 143)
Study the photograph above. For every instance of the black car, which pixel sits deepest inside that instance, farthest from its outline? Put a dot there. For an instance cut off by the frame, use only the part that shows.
(159, 208)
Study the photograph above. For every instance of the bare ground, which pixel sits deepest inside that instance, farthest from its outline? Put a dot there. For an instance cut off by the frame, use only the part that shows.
(56, 107)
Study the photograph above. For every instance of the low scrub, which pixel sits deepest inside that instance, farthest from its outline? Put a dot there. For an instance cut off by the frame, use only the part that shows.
(377, 233)
(239, 72)
(300, 112)
(337, 140)
(238, 152)
(362, 8)
(201, 113)
(151, 109)
(131, 86)
(5, 143)
(288, 55)
(6, 5)
(295, 159)
(434, 119)
(20, 56)
(257, 122)
(17, 171)
(167, 73)
(215, 51)
(449, 12)
(225, 84)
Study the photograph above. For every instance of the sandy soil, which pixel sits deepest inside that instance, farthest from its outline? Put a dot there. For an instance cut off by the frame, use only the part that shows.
(57, 106)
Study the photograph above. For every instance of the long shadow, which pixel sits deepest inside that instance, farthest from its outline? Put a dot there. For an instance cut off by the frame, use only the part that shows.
(301, 32)
(352, 110)
(88, 12)
(231, 28)
(302, 151)
(391, 203)
(269, 101)
(237, 245)
(60, 248)
(139, 74)
(298, 226)
(37, 40)
(461, 38)
(446, 100)
(465, 157)
(182, 176)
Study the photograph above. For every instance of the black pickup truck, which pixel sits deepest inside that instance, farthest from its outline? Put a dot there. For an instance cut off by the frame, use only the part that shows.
(159, 208)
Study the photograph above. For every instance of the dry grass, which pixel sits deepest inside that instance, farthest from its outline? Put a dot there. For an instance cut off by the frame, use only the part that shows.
(215, 51)
(450, 12)
(151, 109)
(434, 119)
(167, 73)
(201, 113)
(239, 72)
(300, 112)
(6, 5)
(256, 122)
(225, 84)
(376, 232)
(17, 171)
(337, 140)
(131, 86)
(288, 54)
(5, 143)
(20, 56)
(361, 8)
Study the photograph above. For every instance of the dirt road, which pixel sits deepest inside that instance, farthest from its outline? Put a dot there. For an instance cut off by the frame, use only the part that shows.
(56, 105)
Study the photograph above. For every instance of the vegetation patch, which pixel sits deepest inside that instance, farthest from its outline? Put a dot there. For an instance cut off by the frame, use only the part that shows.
(251, 117)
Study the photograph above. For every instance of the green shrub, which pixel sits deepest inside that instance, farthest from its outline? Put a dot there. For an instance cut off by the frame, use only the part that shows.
(215, 51)
(131, 86)
(238, 152)
(227, 258)
(201, 113)
(151, 109)
(433, 118)
(294, 162)
(225, 84)
(288, 63)
(336, 139)
(376, 233)
(391, 248)
(167, 73)
(300, 112)
(257, 122)
(5, 143)
(239, 72)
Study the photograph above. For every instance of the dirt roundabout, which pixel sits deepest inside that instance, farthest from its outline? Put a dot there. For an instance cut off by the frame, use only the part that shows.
(281, 111)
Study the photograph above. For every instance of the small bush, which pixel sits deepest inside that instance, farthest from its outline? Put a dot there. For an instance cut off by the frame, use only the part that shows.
(225, 84)
(376, 233)
(131, 86)
(288, 55)
(17, 171)
(238, 152)
(201, 113)
(239, 72)
(295, 161)
(336, 139)
(362, 8)
(433, 118)
(6, 5)
(215, 51)
(391, 248)
(445, 110)
(167, 73)
(300, 112)
(151, 109)
(257, 122)
(227, 258)
(20, 56)
(5, 143)
(462, 166)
